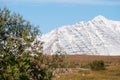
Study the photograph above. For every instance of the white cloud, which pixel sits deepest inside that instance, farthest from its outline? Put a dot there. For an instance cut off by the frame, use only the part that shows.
(90, 2)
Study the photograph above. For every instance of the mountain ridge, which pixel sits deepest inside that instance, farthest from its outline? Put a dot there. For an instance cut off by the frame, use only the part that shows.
(100, 36)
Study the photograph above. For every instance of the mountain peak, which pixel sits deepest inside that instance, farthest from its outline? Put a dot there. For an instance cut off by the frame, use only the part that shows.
(85, 38)
(99, 17)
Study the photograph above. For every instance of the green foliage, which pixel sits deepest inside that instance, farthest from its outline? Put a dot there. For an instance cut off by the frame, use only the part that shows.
(97, 65)
(59, 60)
(16, 60)
(85, 65)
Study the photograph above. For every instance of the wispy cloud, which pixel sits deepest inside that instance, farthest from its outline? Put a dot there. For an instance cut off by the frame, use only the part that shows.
(89, 2)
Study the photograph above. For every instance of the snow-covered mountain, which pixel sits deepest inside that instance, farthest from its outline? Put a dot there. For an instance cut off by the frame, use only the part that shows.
(99, 36)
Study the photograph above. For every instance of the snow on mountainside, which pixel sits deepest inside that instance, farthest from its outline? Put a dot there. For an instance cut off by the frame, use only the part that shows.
(99, 36)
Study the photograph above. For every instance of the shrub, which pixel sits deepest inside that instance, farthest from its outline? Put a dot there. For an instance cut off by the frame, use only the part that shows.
(58, 61)
(85, 65)
(97, 65)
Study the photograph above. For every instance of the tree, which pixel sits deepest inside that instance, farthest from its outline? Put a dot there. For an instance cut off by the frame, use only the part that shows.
(17, 46)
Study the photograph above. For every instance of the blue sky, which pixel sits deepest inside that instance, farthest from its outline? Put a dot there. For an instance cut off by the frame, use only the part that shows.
(50, 14)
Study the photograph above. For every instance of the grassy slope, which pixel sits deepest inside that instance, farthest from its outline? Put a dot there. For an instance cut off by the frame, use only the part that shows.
(112, 71)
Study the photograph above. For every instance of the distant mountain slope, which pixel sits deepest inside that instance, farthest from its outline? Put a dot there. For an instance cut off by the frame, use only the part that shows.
(99, 36)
